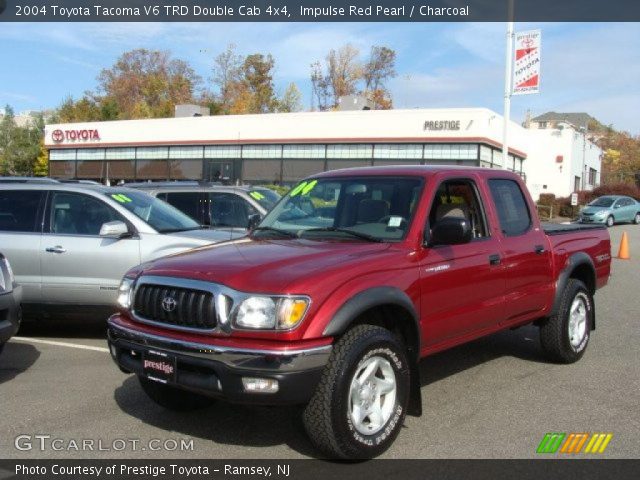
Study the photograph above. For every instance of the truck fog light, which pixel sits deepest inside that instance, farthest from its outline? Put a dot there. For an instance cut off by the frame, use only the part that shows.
(259, 385)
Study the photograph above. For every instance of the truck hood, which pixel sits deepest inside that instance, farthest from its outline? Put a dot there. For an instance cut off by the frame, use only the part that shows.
(209, 235)
(267, 266)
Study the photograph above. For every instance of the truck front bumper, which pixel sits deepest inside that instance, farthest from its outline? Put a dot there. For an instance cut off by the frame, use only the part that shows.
(218, 371)
(10, 313)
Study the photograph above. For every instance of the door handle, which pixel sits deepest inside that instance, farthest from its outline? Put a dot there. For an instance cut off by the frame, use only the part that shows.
(494, 259)
(56, 249)
(539, 249)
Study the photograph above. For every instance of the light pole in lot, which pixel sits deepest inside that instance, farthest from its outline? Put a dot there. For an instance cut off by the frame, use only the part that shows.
(507, 84)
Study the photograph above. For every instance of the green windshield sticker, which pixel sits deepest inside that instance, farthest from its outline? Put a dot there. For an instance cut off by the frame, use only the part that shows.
(309, 187)
(119, 197)
(256, 195)
(298, 189)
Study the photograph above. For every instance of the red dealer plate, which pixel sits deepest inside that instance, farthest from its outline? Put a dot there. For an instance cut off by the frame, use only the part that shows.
(159, 366)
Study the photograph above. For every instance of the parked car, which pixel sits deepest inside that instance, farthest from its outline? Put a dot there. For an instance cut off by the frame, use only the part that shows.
(10, 298)
(27, 180)
(611, 209)
(70, 244)
(213, 204)
(334, 308)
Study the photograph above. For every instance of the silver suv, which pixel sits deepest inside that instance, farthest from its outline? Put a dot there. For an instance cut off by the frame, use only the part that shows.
(70, 244)
(219, 206)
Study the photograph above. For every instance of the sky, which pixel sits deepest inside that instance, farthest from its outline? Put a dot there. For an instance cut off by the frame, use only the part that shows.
(591, 67)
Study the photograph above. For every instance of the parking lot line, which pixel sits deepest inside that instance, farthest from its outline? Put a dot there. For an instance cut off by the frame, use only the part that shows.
(60, 344)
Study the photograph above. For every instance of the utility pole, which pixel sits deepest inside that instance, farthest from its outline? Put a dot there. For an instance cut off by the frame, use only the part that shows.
(507, 84)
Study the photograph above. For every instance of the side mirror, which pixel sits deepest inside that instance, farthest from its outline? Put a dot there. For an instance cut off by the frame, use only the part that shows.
(450, 231)
(254, 220)
(115, 229)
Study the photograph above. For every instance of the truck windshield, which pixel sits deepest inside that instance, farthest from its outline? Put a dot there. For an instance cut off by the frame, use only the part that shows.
(602, 202)
(360, 209)
(160, 215)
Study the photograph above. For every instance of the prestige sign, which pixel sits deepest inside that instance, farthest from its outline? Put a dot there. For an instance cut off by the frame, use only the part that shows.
(441, 125)
(82, 135)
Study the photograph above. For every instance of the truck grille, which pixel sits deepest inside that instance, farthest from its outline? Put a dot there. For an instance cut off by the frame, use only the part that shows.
(175, 306)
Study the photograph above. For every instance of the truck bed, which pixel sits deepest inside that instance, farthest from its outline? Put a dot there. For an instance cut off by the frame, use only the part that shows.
(560, 229)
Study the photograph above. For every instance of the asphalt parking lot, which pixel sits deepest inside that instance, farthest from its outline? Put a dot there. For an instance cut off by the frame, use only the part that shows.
(493, 398)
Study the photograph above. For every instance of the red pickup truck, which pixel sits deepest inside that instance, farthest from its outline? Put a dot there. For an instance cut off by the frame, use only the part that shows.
(351, 279)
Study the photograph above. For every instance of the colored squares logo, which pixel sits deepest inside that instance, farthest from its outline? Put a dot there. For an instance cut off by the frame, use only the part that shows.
(572, 443)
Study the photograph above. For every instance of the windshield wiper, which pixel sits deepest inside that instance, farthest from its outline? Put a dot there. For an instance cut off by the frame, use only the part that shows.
(364, 236)
(276, 230)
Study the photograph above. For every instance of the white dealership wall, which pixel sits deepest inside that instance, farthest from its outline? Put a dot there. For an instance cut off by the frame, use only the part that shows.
(556, 157)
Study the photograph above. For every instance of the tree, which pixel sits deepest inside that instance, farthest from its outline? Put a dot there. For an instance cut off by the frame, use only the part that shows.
(257, 74)
(621, 159)
(227, 73)
(377, 71)
(291, 100)
(344, 74)
(19, 146)
(41, 165)
(145, 84)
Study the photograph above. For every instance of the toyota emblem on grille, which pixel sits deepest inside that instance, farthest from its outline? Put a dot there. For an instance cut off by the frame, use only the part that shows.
(169, 304)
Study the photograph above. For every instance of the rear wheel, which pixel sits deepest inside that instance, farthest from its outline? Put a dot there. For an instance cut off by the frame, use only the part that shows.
(564, 336)
(360, 405)
(610, 221)
(173, 398)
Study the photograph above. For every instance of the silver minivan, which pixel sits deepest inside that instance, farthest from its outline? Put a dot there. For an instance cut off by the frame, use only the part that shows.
(70, 244)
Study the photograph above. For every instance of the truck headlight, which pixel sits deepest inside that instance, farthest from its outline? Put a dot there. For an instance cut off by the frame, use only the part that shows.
(269, 313)
(124, 292)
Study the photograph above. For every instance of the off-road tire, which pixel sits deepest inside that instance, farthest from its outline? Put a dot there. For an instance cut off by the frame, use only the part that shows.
(173, 398)
(554, 331)
(326, 418)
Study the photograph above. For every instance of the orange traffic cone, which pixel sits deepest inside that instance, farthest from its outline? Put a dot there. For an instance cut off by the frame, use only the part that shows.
(623, 253)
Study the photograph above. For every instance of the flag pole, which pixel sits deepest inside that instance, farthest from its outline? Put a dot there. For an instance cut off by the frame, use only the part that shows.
(507, 84)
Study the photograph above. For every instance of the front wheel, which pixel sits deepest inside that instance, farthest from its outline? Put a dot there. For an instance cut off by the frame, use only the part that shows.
(610, 221)
(361, 402)
(564, 336)
(173, 398)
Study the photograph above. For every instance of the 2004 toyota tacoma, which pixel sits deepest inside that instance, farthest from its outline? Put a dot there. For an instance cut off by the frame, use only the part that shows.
(350, 280)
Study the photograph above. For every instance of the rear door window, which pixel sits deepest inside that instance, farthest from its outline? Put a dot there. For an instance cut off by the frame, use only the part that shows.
(511, 206)
(19, 210)
(230, 210)
(187, 202)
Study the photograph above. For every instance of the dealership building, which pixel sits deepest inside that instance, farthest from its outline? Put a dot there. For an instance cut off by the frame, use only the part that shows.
(282, 147)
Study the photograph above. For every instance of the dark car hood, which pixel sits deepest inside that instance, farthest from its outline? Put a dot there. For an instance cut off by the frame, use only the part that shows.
(270, 266)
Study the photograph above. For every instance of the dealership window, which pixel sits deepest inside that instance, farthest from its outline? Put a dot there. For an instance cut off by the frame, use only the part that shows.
(294, 170)
(592, 176)
(262, 151)
(349, 151)
(90, 154)
(303, 151)
(390, 161)
(120, 169)
(152, 152)
(397, 151)
(90, 169)
(337, 164)
(152, 169)
(185, 169)
(450, 152)
(185, 152)
(497, 158)
(59, 169)
(120, 153)
(68, 154)
(222, 151)
(261, 170)
(485, 153)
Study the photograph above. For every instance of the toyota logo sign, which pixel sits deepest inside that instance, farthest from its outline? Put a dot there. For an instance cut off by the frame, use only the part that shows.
(57, 135)
(169, 304)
